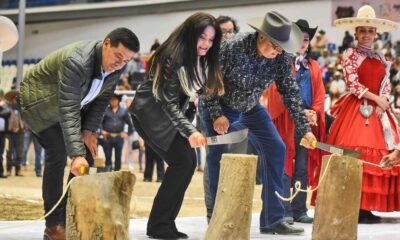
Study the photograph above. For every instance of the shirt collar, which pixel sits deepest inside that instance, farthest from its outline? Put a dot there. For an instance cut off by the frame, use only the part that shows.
(365, 50)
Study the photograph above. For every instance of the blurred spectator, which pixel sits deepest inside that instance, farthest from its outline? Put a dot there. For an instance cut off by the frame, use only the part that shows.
(228, 26)
(338, 83)
(113, 133)
(153, 158)
(4, 115)
(28, 139)
(155, 45)
(15, 135)
(348, 41)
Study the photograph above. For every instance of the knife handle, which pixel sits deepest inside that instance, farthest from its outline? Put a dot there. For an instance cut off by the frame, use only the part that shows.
(83, 170)
(313, 143)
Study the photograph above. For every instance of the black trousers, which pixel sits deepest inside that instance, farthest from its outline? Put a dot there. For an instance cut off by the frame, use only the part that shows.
(52, 141)
(181, 160)
(153, 158)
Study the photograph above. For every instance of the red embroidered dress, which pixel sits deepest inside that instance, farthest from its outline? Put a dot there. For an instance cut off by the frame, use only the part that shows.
(364, 71)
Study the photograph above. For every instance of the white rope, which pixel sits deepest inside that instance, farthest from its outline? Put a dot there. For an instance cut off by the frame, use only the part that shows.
(47, 214)
(297, 185)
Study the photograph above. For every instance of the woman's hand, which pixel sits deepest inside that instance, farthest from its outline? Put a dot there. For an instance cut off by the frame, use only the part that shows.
(390, 160)
(221, 125)
(382, 102)
(197, 139)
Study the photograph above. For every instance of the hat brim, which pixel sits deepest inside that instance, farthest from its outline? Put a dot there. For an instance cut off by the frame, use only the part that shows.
(311, 31)
(382, 25)
(10, 95)
(292, 45)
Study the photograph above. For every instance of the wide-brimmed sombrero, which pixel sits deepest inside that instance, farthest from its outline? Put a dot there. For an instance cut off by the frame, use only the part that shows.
(279, 30)
(366, 17)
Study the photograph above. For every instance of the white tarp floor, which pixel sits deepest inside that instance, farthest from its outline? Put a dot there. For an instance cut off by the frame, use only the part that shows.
(196, 227)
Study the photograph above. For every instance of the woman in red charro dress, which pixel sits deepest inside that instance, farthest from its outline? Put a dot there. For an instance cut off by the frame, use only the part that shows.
(364, 121)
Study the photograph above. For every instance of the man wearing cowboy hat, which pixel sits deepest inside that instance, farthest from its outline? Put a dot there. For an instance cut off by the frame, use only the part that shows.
(250, 63)
(63, 100)
(15, 135)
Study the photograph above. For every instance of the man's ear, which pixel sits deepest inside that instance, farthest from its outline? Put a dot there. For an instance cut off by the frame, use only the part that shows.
(107, 42)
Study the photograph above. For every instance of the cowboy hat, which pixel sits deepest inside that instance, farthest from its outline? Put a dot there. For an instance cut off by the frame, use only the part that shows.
(10, 95)
(304, 27)
(279, 30)
(366, 17)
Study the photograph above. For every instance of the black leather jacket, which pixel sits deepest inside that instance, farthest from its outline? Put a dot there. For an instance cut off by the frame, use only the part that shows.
(162, 118)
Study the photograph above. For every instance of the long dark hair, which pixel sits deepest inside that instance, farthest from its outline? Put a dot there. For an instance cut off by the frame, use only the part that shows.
(180, 50)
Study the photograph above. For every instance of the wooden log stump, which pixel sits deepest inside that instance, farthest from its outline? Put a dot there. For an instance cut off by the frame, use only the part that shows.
(231, 217)
(338, 199)
(98, 206)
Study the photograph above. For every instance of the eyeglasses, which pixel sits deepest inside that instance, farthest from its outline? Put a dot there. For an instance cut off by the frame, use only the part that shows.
(227, 31)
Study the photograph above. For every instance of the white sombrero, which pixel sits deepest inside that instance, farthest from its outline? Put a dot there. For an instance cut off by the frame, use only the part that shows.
(366, 17)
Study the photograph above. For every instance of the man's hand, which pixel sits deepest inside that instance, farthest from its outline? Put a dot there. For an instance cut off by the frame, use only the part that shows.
(390, 160)
(311, 117)
(221, 125)
(307, 140)
(77, 163)
(197, 139)
(104, 134)
(124, 135)
(90, 140)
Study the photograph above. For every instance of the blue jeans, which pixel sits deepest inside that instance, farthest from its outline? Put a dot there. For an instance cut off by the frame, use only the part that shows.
(297, 207)
(117, 143)
(28, 138)
(271, 151)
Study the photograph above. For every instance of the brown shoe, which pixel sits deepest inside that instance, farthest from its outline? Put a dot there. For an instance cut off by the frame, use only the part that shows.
(56, 232)
(19, 174)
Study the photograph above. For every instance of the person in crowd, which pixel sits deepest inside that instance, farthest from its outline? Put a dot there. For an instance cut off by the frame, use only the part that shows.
(337, 82)
(113, 131)
(186, 64)
(4, 115)
(250, 63)
(364, 121)
(312, 92)
(28, 139)
(347, 41)
(155, 45)
(228, 27)
(15, 135)
(152, 158)
(63, 99)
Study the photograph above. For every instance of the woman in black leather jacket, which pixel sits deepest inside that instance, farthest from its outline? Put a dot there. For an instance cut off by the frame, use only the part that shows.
(185, 65)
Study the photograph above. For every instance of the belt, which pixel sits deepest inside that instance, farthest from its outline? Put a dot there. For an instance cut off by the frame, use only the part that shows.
(114, 135)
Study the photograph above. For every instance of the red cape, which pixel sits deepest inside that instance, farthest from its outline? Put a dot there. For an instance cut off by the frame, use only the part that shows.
(286, 128)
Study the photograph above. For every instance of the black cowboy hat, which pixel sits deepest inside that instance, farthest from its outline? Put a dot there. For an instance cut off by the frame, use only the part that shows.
(279, 30)
(305, 27)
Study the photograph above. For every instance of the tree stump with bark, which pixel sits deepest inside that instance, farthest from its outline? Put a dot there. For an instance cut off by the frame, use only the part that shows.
(231, 217)
(338, 199)
(98, 206)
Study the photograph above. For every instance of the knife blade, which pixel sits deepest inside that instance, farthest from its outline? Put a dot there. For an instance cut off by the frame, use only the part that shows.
(333, 149)
(229, 138)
